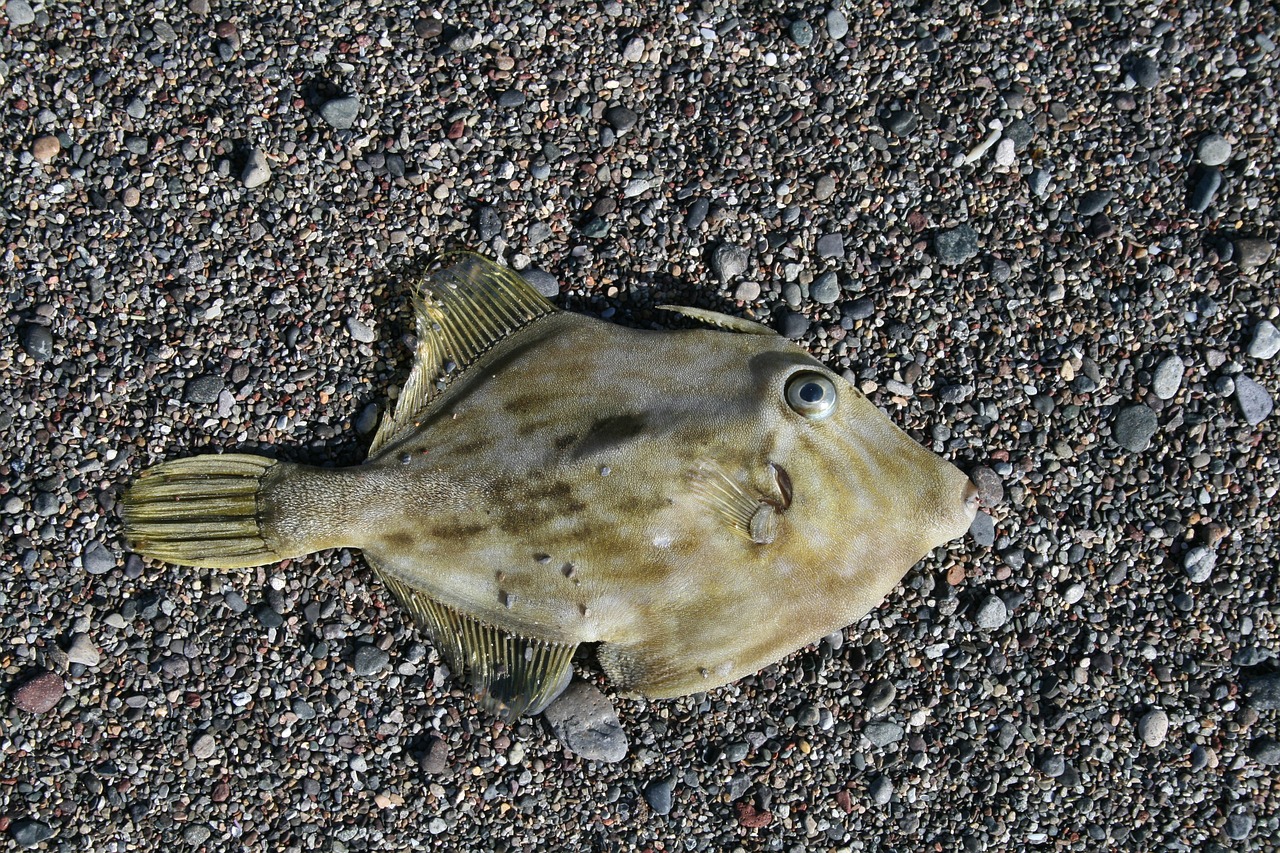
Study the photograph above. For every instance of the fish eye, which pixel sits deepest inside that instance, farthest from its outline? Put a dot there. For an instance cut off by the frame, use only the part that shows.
(811, 394)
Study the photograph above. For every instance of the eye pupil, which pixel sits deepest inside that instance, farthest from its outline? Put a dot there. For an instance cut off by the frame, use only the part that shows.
(811, 392)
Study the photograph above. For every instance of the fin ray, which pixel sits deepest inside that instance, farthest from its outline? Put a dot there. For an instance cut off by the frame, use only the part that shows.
(721, 321)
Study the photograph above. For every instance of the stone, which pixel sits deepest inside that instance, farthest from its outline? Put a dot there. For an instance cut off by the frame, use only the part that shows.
(990, 486)
(881, 791)
(28, 832)
(830, 246)
(203, 389)
(837, 24)
(826, 289)
(203, 746)
(1199, 562)
(728, 261)
(544, 282)
(97, 559)
(825, 188)
(992, 613)
(435, 758)
(880, 696)
(45, 148)
(658, 795)
(801, 32)
(511, 98)
(1038, 182)
(360, 330)
(369, 660)
(1006, 153)
(621, 118)
(1252, 252)
(83, 651)
(340, 112)
(37, 342)
(794, 325)
(1167, 378)
(955, 245)
(19, 13)
(39, 695)
(1094, 201)
(747, 291)
(1144, 71)
(633, 50)
(1206, 187)
(1238, 827)
(882, 733)
(901, 122)
(1255, 403)
(1153, 728)
(1134, 428)
(256, 169)
(1265, 751)
(1264, 691)
(983, 530)
(1213, 150)
(586, 724)
(1265, 342)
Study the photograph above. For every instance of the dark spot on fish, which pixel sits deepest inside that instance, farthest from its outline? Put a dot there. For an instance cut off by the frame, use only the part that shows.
(608, 433)
(446, 530)
(468, 448)
(397, 540)
(568, 570)
(542, 558)
(563, 442)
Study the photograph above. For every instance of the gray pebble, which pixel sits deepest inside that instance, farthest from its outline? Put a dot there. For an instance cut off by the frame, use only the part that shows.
(880, 696)
(29, 832)
(1265, 342)
(1254, 401)
(234, 601)
(728, 261)
(1264, 691)
(901, 122)
(881, 791)
(511, 98)
(697, 214)
(1094, 201)
(825, 188)
(1153, 728)
(1224, 386)
(543, 282)
(203, 746)
(992, 613)
(97, 559)
(1213, 150)
(1252, 252)
(488, 224)
(956, 245)
(203, 389)
(1006, 153)
(1238, 827)
(1053, 765)
(1199, 562)
(747, 291)
(196, 834)
(809, 714)
(367, 420)
(1038, 181)
(794, 325)
(633, 50)
(369, 660)
(360, 330)
(826, 289)
(983, 530)
(830, 246)
(1265, 751)
(1168, 377)
(736, 751)
(837, 24)
(586, 724)
(658, 795)
(882, 733)
(341, 112)
(136, 108)
(621, 118)
(1134, 428)
(19, 13)
(37, 342)
(256, 170)
(83, 651)
(860, 308)
(1145, 71)
(1205, 189)
(1073, 594)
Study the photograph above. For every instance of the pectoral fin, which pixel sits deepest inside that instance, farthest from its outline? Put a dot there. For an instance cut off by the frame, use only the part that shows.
(746, 514)
(511, 675)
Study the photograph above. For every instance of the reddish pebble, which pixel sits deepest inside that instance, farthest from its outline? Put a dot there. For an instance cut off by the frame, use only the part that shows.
(45, 148)
(752, 818)
(457, 129)
(40, 695)
(221, 792)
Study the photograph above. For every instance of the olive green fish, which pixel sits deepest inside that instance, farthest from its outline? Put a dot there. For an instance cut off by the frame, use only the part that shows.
(700, 503)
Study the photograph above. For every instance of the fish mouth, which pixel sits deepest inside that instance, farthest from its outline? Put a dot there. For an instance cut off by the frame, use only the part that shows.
(970, 499)
(781, 499)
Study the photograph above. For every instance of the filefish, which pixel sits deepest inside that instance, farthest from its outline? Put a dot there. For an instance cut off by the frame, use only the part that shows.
(697, 503)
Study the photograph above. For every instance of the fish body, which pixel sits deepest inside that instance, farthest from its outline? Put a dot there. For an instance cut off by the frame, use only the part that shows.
(699, 503)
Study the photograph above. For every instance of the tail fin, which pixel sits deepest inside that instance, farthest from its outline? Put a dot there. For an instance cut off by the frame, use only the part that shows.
(202, 511)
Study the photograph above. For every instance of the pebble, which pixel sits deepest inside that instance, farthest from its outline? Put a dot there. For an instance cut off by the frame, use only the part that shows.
(633, 51)
(1239, 826)
(45, 148)
(728, 261)
(435, 759)
(1213, 150)
(882, 733)
(586, 724)
(1153, 728)
(203, 746)
(747, 291)
(1134, 428)
(1094, 201)
(983, 530)
(956, 245)
(1254, 401)
(1265, 751)
(825, 188)
(1167, 378)
(1205, 189)
(1252, 252)
(256, 169)
(990, 486)
(203, 389)
(1265, 342)
(880, 696)
(837, 24)
(830, 246)
(1144, 71)
(29, 832)
(621, 118)
(826, 288)
(794, 325)
(859, 309)
(658, 795)
(1199, 563)
(39, 695)
(83, 651)
(369, 660)
(98, 559)
(801, 32)
(511, 98)
(901, 122)
(1053, 765)
(1006, 153)
(1038, 182)
(360, 330)
(19, 13)
(543, 282)
(881, 791)
(196, 834)
(341, 112)
(37, 342)
(992, 613)
(1264, 691)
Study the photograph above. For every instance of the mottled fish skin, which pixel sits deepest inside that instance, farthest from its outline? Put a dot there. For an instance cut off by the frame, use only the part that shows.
(699, 503)
(554, 493)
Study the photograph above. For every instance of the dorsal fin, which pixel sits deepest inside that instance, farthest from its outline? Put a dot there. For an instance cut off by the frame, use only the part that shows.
(463, 305)
(723, 321)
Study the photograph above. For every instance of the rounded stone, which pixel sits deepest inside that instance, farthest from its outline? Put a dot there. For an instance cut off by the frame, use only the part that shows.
(992, 613)
(29, 832)
(1238, 827)
(370, 660)
(1265, 342)
(881, 791)
(203, 746)
(826, 289)
(1198, 563)
(956, 245)
(586, 724)
(794, 325)
(1168, 377)
(39, 695)
(203, 389)
(37, 342)
(1134, 428)
(658, 795)
(1153, 728)
(1254, 401)
(341, 112)
(621, 118)
(256, 170)
(728, 261)
(990, 486)
(747, 291)
(1213, 150)
(45, 148)
(837, 24)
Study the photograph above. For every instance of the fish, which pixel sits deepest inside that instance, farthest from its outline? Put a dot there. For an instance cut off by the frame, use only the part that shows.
(694, 503)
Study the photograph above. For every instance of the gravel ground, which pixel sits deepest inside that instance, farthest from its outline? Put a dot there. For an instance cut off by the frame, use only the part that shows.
(1040, 235)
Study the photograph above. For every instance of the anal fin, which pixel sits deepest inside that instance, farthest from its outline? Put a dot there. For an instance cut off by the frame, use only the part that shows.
(510, 675)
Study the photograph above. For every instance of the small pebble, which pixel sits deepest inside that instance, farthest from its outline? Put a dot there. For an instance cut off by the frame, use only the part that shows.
(633, 51)
(1199, 562)
(801, 32)
(621, 118)
(1094, 201)
(747, 291)
(983, 530)
(369, 660)
(794, 325)
(1264, 691)
(956, 245)
(1213, 150)
(45, 148)
(1038, 182)
(83, 651)
(1168, 377)
(1154, 727)
(881, 791)
(1265, 751)
(1006, 153)
(98, 559)
(1144, 71)
(658, 795)
(990, 486)
(586, 724)
(1134, 428)
(39, 695)
(256, 169)
(992, 613)
(1265, 342)
(825, 188)
(830, 246)
(543, 282)
(826, 289)
(728, 261)
(837, 24)
(1254, 401)
(1238, 827)
(1053, 765)
(880, 696)
(901, 122)
(1206, 188)
(203, 389)
(203, 746)
(341, 112)
(37, 342)
(882, 733)
(360, 330)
